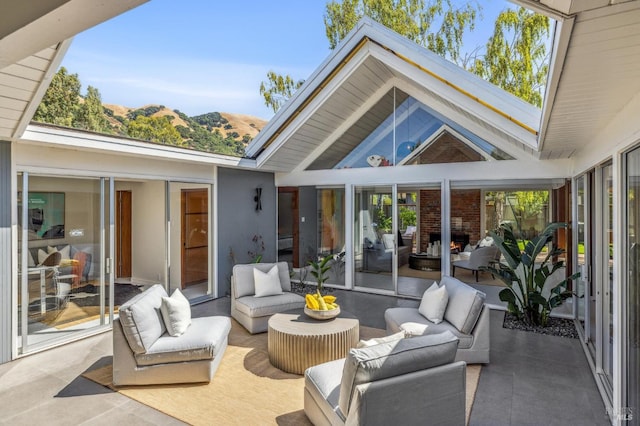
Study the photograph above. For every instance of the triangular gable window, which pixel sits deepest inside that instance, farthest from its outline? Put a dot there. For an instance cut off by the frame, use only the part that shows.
(400, 130)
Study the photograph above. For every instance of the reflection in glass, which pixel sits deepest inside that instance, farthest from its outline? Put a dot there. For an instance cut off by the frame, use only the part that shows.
(374, 241)
(61, 288)
(633, 285)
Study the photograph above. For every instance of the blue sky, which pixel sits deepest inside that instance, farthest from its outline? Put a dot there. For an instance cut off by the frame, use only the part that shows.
(201, 56)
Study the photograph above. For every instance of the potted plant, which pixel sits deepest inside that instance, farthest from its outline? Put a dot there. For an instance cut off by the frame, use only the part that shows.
(530, 294)
(317, 305)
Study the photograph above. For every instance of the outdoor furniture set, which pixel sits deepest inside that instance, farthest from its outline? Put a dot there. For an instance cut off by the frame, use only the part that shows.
(393, 379)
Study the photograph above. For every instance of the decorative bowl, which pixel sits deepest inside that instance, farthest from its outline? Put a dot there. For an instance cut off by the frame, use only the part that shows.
(322, 315)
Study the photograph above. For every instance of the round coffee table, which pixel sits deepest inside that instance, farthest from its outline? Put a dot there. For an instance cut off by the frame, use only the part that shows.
(424, 262)
(297, 342)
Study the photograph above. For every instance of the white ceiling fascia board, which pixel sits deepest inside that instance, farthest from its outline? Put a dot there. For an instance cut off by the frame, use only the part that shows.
(61, 23)
(562, 39)
(435, 136)
(335, 58)
(313, 106)
(33, 104)
(461, 100)
(558, 11)
(529, 169)
(93, 142)
(480, 131)
(326, 144)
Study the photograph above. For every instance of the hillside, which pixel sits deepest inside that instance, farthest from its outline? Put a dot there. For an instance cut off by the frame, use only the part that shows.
(241, 124)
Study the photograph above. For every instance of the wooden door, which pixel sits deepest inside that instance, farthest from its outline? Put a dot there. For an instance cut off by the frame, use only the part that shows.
(123, 234)
(194, 236)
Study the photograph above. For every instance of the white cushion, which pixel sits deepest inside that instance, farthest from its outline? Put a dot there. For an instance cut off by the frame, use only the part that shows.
(485, 242)
(267, 284)
(42, 256)
(176, 313)
(434, 303)
(30, 262)
(387, 240)
(379, 340)
(65, 252)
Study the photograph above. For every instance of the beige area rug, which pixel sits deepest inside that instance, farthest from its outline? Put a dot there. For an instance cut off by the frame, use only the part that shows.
(246, 389)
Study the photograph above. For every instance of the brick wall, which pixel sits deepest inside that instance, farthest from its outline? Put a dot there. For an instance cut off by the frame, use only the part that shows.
(465, 214)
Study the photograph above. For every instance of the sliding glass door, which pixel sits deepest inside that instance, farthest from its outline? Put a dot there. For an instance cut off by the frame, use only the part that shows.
(632, 296)
(374, 239)
(62, 279)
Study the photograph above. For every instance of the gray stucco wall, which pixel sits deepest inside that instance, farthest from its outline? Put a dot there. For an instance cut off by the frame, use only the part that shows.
(5, 251)
(307, 201)
(239, 222)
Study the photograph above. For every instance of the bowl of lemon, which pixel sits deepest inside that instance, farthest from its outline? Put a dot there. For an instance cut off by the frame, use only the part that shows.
(321, 307)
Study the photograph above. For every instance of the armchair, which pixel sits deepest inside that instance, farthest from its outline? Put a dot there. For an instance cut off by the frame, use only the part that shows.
(405, 382)
(478, 258)
(254, 312)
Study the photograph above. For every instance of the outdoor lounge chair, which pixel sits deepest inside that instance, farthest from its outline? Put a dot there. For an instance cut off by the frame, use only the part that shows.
(480, 257)
(254, 312)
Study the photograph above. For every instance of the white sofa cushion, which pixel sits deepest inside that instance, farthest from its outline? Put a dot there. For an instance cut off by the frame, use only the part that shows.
(465, 304)
(204, 339)
(434, 303)
(267, 284)
(176, 313)
(394, 359)
(379, 340)
(141, 319)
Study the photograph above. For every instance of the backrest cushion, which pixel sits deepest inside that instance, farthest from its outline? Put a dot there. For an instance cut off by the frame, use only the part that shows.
(394, 359)
(243, 281)
(464, 306)
(141, 319)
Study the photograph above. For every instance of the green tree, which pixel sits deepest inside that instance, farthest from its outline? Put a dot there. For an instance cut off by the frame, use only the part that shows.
(61, 100)
(154, 129)
(91, 114)
(516, 55)
(278, 89)
(435, 24)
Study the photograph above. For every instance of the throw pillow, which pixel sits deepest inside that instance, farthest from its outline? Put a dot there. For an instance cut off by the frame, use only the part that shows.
(434, 303)
(379, 340)
(42, 256)
(267, 284)
(65, 252)
(176, 313)
(30, 262)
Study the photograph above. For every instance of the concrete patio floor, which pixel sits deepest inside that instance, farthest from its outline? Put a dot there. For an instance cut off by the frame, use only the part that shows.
(532, 379)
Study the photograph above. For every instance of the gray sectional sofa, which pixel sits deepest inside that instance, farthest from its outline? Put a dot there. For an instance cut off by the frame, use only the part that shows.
(254, 312)
(466, 316)
(144, 353)
(404, 382)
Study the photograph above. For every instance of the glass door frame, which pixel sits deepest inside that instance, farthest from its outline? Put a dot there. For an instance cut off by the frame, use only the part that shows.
(20, 334)
(585, 270)
(350, 206)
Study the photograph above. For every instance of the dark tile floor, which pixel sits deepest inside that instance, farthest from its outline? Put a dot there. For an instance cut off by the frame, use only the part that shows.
(532, 379)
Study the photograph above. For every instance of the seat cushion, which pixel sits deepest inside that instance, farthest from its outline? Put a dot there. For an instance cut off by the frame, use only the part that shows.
(202, 340)
(141, 319)
(464, 306)
(323, 384)
(262, 306)
(243, 277)
(410, 321)
(394, 359)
